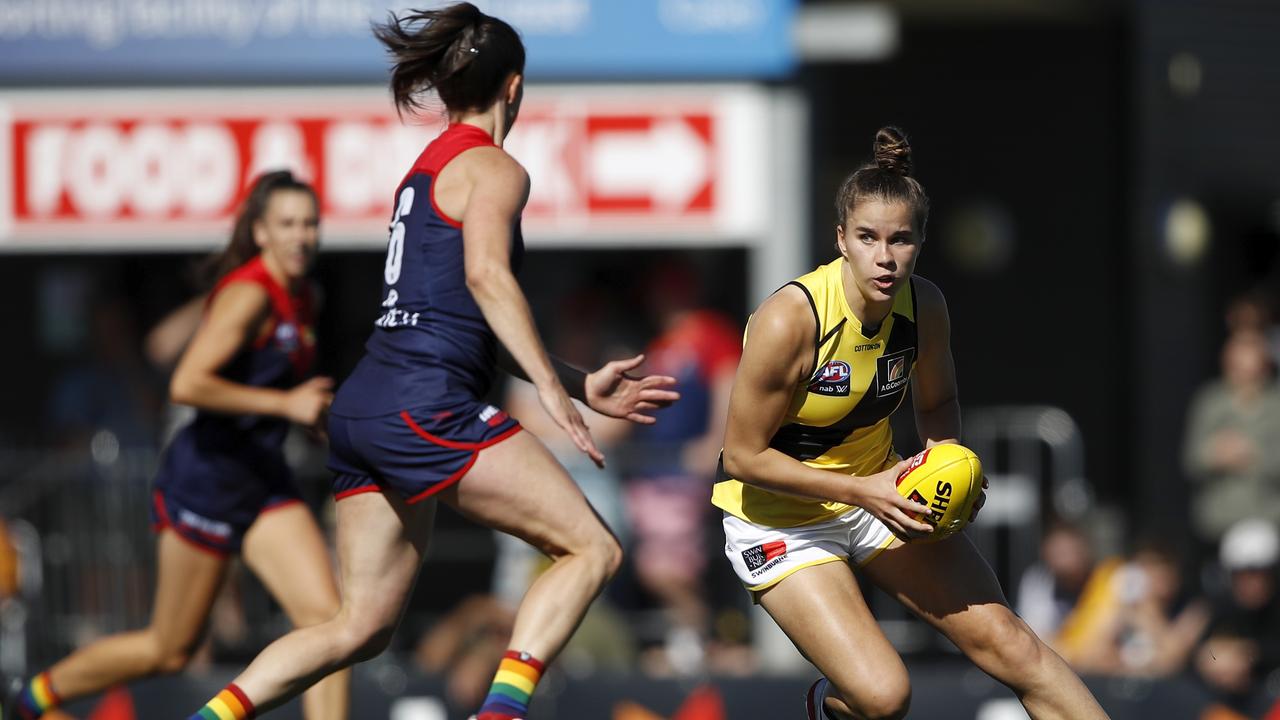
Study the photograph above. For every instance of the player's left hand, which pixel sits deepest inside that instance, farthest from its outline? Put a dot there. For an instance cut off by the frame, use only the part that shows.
(982, 500)
(611, 391)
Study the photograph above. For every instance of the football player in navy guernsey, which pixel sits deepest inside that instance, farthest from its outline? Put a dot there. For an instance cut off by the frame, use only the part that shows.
(410, 427)
(223, 487)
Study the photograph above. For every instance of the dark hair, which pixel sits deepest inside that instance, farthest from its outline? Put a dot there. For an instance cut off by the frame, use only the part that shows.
(461, 53)
(887, 178)
(242, 246)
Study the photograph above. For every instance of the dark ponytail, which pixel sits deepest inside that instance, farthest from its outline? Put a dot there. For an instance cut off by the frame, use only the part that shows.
(242, 247)
(458, 51)
(887, 178)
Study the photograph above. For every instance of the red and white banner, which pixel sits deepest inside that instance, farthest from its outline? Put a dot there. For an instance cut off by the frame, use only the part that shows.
(161, 168)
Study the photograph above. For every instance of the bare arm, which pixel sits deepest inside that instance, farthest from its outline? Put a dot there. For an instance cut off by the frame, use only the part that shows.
(165, 342)
(573, 379)
(235, 315)
(775, 359)
(933, 388)
(499, 188)
(609, 391)
(700, 453)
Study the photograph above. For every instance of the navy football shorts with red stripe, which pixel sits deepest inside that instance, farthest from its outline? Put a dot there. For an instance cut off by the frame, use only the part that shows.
(417, 453)
(210, 530)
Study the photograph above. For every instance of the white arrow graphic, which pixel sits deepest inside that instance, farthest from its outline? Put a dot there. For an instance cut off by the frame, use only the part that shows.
(668, 163)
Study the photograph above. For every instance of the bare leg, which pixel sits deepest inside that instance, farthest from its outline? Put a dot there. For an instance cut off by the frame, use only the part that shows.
(949, 585)
(517, 487)
(286, 550)
(381, 542)
(187, 580)
(822, 610)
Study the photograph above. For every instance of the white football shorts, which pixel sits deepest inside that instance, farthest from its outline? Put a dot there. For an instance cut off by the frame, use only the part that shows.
(762, 556)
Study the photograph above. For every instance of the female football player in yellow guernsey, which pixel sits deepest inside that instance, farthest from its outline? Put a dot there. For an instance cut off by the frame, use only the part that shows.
(807, 483)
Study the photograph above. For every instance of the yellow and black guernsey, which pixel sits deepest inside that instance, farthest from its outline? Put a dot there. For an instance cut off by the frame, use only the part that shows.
(839, 419)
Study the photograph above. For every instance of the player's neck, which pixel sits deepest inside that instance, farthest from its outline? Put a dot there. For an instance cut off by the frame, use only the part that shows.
(491, 121)
(869, 314)
(277, 273)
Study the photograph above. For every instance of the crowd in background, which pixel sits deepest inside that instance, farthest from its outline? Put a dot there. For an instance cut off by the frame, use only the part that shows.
(1149, 609)
(1212, 613)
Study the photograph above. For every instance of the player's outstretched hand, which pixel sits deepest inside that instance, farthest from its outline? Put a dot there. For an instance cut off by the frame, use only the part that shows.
(878, 495)
(611, 391)
(307, 402)
(560, 407)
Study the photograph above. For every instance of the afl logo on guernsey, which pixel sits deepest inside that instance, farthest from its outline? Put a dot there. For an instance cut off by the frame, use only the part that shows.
(287, 336)
(832, 379)
(893, 371)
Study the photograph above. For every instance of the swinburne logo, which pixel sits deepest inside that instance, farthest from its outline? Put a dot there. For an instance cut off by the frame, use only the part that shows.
(758, 558)
(832, 379)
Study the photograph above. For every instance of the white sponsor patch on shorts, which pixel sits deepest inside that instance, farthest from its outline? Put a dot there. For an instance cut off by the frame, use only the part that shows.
(762, 556)
(203, 524)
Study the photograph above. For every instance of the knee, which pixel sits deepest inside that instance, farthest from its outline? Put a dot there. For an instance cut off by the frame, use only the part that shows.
(318, 609)
(166, 659)
(603, 553)
(173, 661)
(360, 639)
(611, 556)
(1004, 642)
(606, 556)
(885, 697)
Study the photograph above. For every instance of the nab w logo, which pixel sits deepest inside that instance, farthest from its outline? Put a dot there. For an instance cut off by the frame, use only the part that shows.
(832, 379)
(893, 371)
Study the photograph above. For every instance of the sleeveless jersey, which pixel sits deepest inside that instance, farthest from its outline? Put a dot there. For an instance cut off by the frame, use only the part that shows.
(839, 419)
(430, 341)
(280, 357)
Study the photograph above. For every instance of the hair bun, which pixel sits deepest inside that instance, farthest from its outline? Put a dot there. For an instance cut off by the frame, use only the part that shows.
(892, 151)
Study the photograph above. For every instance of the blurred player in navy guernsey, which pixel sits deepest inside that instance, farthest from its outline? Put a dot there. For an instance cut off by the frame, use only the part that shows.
(410, 427)
(223, 486)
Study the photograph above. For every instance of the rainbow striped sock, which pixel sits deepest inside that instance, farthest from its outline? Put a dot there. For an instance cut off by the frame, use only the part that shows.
(508, 699)
(230, 704)
(37, 698)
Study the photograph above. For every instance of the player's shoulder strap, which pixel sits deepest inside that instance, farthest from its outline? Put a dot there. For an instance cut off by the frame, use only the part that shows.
(282, 305)
(817, 288)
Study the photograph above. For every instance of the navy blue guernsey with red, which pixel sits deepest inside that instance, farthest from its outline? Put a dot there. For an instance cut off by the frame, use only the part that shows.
(221, 471)
(410, 416)
(430, 339)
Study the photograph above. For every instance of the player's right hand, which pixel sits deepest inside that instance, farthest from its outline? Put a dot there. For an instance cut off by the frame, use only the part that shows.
(560, 407)
(878, 495)
(307, 402)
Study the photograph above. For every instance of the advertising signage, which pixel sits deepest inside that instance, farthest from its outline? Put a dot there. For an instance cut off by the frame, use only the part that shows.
(159, 168)
(233, 41)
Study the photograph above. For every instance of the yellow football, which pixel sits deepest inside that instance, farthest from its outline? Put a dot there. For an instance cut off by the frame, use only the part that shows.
(947, 478)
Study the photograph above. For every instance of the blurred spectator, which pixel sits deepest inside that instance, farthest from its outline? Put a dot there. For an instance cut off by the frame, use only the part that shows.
(8, 564)
(1243, 644)
(1050, 588)
(111, 388)
(466, 645)
(673, 462)
(1255, 311)
(1231, 449)
(1134, 618)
